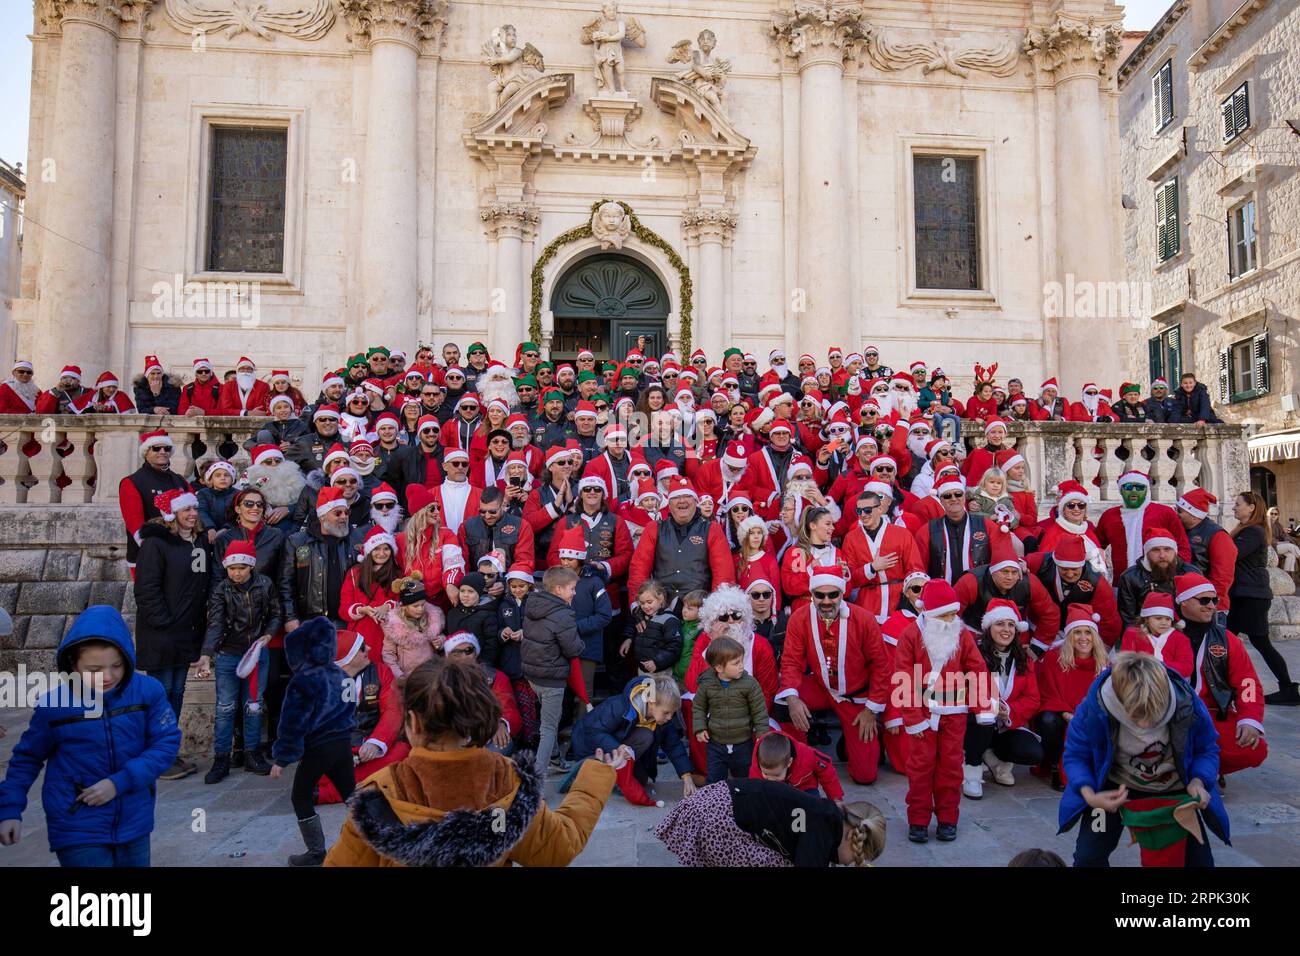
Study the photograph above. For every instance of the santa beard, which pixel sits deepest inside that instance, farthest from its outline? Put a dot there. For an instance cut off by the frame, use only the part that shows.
(940, 639)
(916, 444)
(279, 484)
(736, 630)
(1092, 403)
(388, 520)
(885, 401)
(904, 402)
(497, 382)
(27, 391)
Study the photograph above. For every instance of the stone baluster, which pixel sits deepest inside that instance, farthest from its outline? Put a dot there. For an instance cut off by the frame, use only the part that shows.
(11, 464)
(1112, 466)
(117, 454)
(183, 449)
(1187, 470)
(1162, 470)
(78, 465)
(43, 466)
(1086, 464)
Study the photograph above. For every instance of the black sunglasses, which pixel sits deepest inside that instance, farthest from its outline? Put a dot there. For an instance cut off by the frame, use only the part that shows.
(458, 464)
(1207, 601)
(252, 505)
(760, 595)
(825, 595)
(385, 505)
(952, 496)
(730, 616)
(741, 508)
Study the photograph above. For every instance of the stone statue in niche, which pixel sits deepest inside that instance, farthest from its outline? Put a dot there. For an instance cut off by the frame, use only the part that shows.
(706, 73)
(512, 66)
(608, 34)
(611, 225)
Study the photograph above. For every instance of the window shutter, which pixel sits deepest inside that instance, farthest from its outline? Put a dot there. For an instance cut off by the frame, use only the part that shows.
(1153, 358)
(1171, 211)
(1226, 108)
(1157, 98)
(1162, 244)
(1175, 371)
(1241, 109)
(1259, 349)
(1225, 387)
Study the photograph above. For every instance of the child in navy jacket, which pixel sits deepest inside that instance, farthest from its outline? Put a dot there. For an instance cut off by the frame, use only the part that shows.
(102, 754)
(316, 724)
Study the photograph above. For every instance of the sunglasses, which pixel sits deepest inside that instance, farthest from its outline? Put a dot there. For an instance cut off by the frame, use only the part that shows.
(730, 616)
(253, 505)
(952, 496)
(885, 469)
(1075, 504)
(385, 506)
(531, 355)
(488, 512)
(345, 481)
(463, 651)
(592, 491)
(1207, 601)
(760, 595)
(202, 371)
(826, 595)
(22, 371)
(867, 510)
(457, 464)
(914, 590)
(741, 508)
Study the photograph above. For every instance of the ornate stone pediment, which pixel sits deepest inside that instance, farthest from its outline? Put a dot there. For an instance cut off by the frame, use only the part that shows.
(704, 129)
(522, 118)
(302, 19)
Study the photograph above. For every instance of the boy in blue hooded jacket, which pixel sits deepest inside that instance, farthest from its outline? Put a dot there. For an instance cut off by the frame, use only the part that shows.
(102, 751)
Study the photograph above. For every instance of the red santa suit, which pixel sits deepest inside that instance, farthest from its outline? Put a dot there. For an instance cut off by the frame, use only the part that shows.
(762, 485)
(810, 769)
(1062, 691)
(934, 707)
(1078, 412)
(1124, 529)
(844, 491)
(1050, 532)
(797, 569)
(449, 496)
(977, 462)
(352, 598)
(1171, 648)
(1040, 611)
(439, 567)
(231, 401)
(878, 591)
(848, 671)
(1246, 706)
(710, 479)
(11, 403)
(119, 403)
(897, 743)
(603, 468)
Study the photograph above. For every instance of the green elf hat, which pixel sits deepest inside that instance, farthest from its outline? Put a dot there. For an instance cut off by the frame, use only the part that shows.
(588, 377)
(476, 347)
(1130, 387)
(542, 365)
(526, 380)
(552, 395)
(377, 350)
(609, 366)
(358, 359)
(629, 371)
(529, 347)
(730, 352)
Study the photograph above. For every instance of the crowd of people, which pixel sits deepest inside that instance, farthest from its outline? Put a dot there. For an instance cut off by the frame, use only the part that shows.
(661, 562)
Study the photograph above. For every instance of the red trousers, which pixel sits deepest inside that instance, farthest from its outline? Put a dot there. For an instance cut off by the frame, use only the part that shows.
(698, 749)
(864, 755)
(934, 772)
(1234, 757)
(325, 790)
(898, 746)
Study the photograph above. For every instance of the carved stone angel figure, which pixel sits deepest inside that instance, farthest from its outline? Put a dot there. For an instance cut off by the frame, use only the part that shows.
(705, 72)
(512, 66)
(611, 225)
(609, 33)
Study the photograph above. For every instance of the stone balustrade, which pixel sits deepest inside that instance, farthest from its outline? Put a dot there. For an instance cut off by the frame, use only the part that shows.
(80, 459)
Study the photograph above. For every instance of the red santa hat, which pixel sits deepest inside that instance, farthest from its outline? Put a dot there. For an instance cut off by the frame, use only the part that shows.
(918, 421)
(615, 430)
(345, 471)
(1196, 502)
(1019, 400)
(519, 572)
(833, 351)
(171, 501)
(375, 538)
(915, 367)
(573, 543)
(904, 378)
(456, 454)
(739, 498)
(697, 355)
(1002, 555)
(496, 558)
(1157, 538)
(427, 423)
(882, 459)
(936, 445)
(150, 363)
(826, 576)
(938, 597)
(947, 484)
(278, 399)
(585, 409)
(469, 398)
(1188, 586)
(780, 425)
(198, 364)
(1080, 615)
(753, 581)
(336, 453)
(679, 486)
(881, 488)
(993, 423)
(1008, 458)
(328, 410)
(154, 439)
(1070, 551)
(1159, 382)
(1050, 383)
(240, 552)
(1158, 604)
(688, 374)
(245, 360)
(264, 453)
(347, 645)
(1000, 609)
(1070, 490)
(328, 499)
(556, 453)
(279, 375)
(799, 464)
(71, 371)
(106, 379)
(384, 492)
(219, 465)
(387, 418)
(459, 639)
(664, 468)
(775, 354)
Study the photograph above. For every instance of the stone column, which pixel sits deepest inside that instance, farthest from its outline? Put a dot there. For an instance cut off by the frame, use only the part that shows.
(73, 312)
(506, 224)
(821, 37)
(711, 227)
(392, 31)
(1076, 59)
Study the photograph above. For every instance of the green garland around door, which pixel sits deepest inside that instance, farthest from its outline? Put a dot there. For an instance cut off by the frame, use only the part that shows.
(646, 235)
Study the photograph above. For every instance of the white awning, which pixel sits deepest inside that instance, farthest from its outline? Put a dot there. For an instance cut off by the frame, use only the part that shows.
(1279, 446)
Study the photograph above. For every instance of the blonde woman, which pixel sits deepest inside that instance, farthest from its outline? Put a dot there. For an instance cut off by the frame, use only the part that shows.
(1064, 675)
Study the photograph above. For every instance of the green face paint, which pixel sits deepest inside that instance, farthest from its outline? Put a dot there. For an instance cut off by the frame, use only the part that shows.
(1133, 495)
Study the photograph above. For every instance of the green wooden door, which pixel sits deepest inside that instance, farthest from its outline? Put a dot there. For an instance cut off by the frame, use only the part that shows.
(604, 303)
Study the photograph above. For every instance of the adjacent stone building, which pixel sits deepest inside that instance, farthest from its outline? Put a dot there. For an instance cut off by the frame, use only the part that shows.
(297, 179)
(13, 189)
(1210, 120)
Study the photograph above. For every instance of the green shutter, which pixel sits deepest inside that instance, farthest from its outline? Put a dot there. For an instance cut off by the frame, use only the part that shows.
(1162, 244)
(1175, 346)
(1259, 350)
(1225, 375)
(1154, 355)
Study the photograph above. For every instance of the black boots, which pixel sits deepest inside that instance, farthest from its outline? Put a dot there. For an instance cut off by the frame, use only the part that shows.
(220, 769)
(314, 837)
(1287, 696)
(254, 762)
(917, 833)
(946, 832)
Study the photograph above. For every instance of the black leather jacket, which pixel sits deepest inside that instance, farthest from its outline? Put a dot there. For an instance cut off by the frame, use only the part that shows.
(238, 614)
(304, 591)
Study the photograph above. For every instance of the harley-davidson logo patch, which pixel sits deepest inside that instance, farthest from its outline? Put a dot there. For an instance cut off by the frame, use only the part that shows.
(696, 539)
(979, 536)
(507, 529)
(1218, 650)
(1084, 585)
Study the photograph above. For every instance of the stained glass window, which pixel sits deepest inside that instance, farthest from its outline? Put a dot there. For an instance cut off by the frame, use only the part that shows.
(246, 200)
(947, 222)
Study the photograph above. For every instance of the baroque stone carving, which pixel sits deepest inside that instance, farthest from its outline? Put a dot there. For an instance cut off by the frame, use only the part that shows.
(820, 29)
(409, 21)
(310, 20)
(1073, 45)
(611, 225)
(889, 52)
(608, 34)
(710, 223)
(110, 14)
(509, 218)
(704, 71)
(513, 67)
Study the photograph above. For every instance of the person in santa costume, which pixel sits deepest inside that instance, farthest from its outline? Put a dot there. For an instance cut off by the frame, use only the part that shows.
(1069, 579)
(721, 477)
(1004, 577)
(1123, 527)
(245, 394)
(953, 543)
(755, 555)
(426, 545)
(1070, 518)
(136, 492)
(1140, 740)
(895, 742)
(1000, 739)
(939, 677)
(457, 499)
(981, 460)
(1157, 635)
(767, 471)
(1225, 675)
(1016, 469)
(1214, 552)
(18, 393)
(1049, 406)
(813, 547)
(778, 756)
(1091, 407)
(59, 399)
(834, 659)
(880, 555)
(686, 551)
(613, 465)
(107, 398)
(367, 593)
(1064, 675)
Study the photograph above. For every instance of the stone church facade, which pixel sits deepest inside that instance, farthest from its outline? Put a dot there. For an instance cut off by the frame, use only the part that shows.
(297, 179)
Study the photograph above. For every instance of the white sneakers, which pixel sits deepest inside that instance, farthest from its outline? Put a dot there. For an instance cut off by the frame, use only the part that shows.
(972, 784)
(1002, 772)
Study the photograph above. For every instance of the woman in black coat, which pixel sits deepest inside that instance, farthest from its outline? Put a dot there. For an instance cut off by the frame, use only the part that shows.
(173, 572)
(1251, 595)
(154, 390)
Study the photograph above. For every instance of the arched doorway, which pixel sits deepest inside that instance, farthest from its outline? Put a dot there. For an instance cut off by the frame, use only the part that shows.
(606, 303)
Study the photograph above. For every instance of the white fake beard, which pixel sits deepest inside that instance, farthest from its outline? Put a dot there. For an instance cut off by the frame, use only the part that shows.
(885, 400)
(803, 487)
(940, 638)
(388, 520)
(244, 380)
(735, 630)
(365, 469)
(916, 444)
(279, 484)
(1092, 403)
(904, 402)
(27, 391)
(497, 383)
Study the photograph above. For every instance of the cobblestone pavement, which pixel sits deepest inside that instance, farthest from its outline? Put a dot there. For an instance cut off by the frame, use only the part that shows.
(247, 821)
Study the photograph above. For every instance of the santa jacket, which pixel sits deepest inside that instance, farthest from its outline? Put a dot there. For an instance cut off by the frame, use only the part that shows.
(1176, 650)
(602, 467)
(878, 591)
(796, 571)
(709, 480)
(231, 402)
(352, 598)
(1042, 614)
(890, 632)
(1099, 595)
(205, 398)
(1019, 690)
(860, 667)
(117, 404)
(809, 769)
(1079, 413)
(444, 566)
(1247, 705)
(11, 403)
(1111, 532)
(961, 685)
(1061, 691)
(471, 504)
